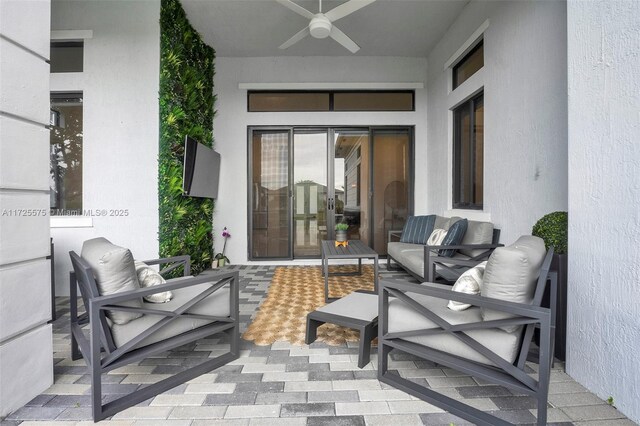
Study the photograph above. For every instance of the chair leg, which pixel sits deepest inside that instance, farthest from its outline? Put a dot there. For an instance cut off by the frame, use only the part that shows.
(383, 358)
(312, 330)
(544, 371)
(367, 333)
(75, 350)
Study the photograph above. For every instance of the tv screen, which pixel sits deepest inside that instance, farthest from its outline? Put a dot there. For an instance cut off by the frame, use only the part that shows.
(201, 170)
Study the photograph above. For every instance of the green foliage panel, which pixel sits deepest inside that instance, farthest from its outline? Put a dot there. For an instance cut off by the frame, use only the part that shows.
(186, 108)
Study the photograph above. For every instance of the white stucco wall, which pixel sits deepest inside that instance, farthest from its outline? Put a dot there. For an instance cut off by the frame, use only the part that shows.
(604, 181)
(26, 365)
(232, 119)
(525, 100)
(121, 129)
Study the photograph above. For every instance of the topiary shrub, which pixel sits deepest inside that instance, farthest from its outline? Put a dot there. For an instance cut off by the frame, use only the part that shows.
(552, 228)
(186, 108)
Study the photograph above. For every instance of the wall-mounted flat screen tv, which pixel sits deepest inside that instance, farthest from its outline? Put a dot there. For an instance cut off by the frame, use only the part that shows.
(201, 170)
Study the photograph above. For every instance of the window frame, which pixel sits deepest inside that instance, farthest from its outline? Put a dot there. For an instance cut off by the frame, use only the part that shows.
(457, 147)
(331, 93)
(67, 96)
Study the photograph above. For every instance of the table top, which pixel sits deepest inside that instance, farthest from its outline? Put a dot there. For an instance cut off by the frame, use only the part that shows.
(355, 249)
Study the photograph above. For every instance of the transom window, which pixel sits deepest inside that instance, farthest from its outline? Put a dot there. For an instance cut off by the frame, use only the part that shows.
(469, 65)
(66, 56)
(301, 101)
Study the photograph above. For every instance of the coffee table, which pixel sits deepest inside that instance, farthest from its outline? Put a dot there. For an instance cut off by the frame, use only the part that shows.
(356, 249)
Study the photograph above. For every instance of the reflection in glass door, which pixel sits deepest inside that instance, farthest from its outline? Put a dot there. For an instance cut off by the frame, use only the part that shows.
(390, 184)
(309, 192)
(351, 182)
(270, 222)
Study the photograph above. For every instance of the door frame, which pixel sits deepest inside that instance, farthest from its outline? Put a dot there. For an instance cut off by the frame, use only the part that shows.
(330, 214)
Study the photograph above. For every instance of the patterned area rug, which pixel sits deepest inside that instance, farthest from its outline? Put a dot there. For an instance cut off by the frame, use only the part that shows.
(294, 292)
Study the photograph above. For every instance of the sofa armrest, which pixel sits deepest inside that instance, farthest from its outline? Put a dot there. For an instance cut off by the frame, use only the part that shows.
(231, 277)
(431, 258)
(394, 233)
(176, 261)
(445, 292)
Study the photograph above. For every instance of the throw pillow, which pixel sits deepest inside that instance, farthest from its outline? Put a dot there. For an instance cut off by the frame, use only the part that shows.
(417, 229)
(512, 275)
(148, 277)
(454, 237)
(114, 272)
(436, 237)
(470, 282)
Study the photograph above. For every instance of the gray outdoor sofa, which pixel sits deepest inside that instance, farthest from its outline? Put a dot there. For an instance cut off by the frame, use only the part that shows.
(426, 263)
(123, 328)
(490, 340)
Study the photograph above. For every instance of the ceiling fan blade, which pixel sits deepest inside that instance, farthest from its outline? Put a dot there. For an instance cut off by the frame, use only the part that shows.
(296, 8)
(296, 38)
(346, 9)
(344, 40)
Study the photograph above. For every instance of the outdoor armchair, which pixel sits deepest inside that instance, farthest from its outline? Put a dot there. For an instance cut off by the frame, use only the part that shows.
(490, 340)
(201, 306)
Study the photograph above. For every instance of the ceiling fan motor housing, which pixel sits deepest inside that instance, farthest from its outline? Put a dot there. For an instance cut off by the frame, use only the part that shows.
(320, 26)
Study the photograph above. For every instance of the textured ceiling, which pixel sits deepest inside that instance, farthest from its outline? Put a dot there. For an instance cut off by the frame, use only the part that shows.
(383, 28)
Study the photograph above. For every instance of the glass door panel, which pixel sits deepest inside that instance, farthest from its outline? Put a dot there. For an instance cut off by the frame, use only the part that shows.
(270, 201)
(310, 192)
(351, 182)
(390, 184)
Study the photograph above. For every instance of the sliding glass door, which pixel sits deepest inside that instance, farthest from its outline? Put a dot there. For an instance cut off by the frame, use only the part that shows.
(305, 180)
(270, 220)
(310, 191)
(351, 182)
(391, 184)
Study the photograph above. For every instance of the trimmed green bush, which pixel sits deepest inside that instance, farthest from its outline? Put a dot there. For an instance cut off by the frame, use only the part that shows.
(186, 108)
(342, 226)
(552, 228)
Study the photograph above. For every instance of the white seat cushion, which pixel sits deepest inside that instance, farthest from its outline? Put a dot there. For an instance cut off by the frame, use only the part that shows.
(362, 306)
(404, 318)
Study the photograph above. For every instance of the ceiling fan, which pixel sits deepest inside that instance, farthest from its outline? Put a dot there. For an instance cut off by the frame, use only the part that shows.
(321, 24)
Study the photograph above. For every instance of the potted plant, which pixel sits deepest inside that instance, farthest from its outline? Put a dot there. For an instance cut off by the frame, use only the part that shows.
(220, 259)
(341, 232)
(553, 229)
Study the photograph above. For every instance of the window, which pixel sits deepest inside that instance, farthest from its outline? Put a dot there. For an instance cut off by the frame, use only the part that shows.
(468, 154)
(469, 65)
(66, 154)
(299, 101)
(66, 56)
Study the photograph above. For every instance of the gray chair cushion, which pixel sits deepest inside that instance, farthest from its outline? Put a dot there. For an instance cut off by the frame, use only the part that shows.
(512, 273)
(454, 237)
(396, 249)
(477, 233)
(403, 318)
(115, 272)
(413, 261)
(441, 222)
(217, 304)
(417, 229)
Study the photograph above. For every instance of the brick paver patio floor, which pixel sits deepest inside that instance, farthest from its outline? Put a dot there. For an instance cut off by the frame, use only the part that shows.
(283, 384)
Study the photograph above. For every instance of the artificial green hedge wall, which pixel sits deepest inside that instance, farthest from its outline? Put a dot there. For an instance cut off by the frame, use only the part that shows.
(186, 108)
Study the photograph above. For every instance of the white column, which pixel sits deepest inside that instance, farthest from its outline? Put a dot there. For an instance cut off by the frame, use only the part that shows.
(26, 355)
(603, 334)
